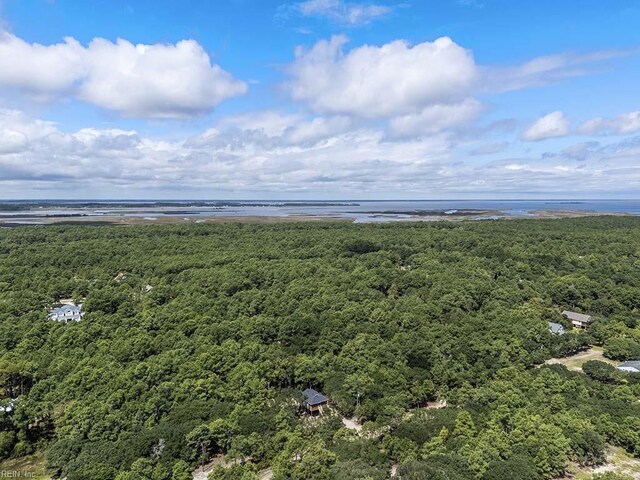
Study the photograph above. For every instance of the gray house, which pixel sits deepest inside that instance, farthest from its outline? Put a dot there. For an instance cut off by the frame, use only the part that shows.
(631, 366)
(66, 313)
(578, 320)
(314, 401)
(556, 328)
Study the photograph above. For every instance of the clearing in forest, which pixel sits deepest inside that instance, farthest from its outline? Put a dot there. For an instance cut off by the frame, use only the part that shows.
(618, 461)
(575, 362)
(30, 466)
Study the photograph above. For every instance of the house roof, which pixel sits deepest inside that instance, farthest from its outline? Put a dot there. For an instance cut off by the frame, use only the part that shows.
(635, 364)
(556, 327)
(66, 312)
(578, 317)
(67, 308)
(314, 398)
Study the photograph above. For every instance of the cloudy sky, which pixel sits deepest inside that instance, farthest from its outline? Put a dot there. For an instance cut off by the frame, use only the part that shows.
(319, 99)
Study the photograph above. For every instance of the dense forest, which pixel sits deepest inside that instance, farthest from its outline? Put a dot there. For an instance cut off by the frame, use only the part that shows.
(198, 341)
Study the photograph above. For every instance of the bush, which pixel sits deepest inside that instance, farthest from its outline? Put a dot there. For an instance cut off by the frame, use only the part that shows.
(7, 442)
(621, 349)
(518, 466)
(601, 371)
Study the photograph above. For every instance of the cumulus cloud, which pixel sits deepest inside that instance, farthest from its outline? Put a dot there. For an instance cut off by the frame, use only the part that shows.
(621, 124)
(42, 71)
(421, 88)
(343, 12)
(159, 81)
(555, 124)
(270, 122)
(310, 157)
(148, 81)
(390, 80)
(35, 151)
(317, 129)
(436, 118)
(18, 132)
(303, 156)
(270, 127)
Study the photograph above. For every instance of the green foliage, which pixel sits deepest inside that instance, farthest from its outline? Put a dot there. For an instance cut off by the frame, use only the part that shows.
(440, 467)
(601, 371)
(518, 466)
(622, 348)
(234, 472)
(380, 318)
(611, 476)
(7, 442)
(357, 470)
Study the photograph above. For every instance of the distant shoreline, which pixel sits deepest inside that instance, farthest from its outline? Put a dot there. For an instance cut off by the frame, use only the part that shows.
(380, 217)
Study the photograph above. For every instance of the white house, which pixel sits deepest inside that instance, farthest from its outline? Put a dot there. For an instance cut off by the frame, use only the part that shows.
(67, 313)
(631, 366)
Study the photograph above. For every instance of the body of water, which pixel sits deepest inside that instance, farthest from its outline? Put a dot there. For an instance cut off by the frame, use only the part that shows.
(24, 211)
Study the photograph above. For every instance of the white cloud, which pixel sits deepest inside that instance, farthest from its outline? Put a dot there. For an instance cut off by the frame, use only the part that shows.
(373, 82)
(406, 81)
(580, 151)
(18, 132)
(543, 70)
(269, 127)
(309, 157)
(343, 12)
(622, 124)
(317, 129)
(555, 124)
(436, 118)
(517, 166)
(306, 155)
(158, 81)
(38, 70)
(150, 81)
(270, 122)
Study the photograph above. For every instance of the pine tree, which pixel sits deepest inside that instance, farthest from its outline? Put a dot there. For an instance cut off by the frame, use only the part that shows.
(542, 463)
(465, 428)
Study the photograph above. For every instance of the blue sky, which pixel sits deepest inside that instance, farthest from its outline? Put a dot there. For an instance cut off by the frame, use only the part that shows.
(319, 99)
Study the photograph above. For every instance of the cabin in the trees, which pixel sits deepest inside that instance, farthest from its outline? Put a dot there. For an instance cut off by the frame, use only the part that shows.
(66, 313)
(632, 366)
(578, 320)
(314, 401)
(556, 328)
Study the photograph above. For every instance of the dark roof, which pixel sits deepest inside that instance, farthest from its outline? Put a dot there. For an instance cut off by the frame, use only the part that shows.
(635, 364)
(314, 398)
(578, 317)
(556, 328)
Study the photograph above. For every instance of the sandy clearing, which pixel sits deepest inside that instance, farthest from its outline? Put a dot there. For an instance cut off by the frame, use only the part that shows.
(575, 362)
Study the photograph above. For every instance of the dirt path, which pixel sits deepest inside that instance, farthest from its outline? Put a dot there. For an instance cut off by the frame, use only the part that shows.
(438, 404)
(202, 472)
(351, 424)
(618, 461)
(266, 474)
